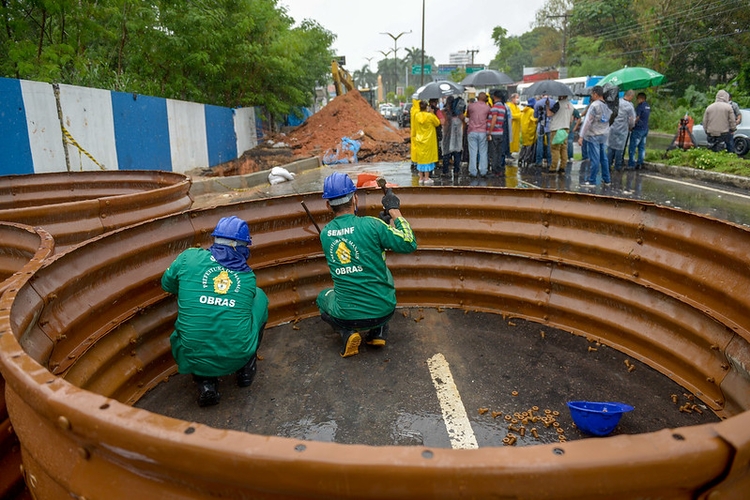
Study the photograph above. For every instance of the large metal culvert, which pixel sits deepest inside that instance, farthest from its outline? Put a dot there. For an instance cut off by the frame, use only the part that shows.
(87, 335)
(76, 206)
(22, 251)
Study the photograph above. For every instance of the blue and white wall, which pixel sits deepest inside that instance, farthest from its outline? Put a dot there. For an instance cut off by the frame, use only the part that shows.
(114, 130)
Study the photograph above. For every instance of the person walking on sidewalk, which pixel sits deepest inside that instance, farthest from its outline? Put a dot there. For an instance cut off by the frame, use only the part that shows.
(363, 297)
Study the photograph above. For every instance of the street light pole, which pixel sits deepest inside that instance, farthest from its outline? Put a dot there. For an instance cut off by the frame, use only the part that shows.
(395, 56)
(421, 81)
(385, 54)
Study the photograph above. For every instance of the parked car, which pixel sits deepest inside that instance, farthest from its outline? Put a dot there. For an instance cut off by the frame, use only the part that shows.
(741, 135)
(404, 116)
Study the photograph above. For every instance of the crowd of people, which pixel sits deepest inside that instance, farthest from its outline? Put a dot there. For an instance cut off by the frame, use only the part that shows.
(494, 128)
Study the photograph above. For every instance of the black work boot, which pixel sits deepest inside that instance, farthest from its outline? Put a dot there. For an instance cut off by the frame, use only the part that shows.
(246, 374)
(351, 343)
(377, 336)
(208, 394)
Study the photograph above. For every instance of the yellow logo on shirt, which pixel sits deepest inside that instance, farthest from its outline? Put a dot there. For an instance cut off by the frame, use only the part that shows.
(222, 283)
(343, 253)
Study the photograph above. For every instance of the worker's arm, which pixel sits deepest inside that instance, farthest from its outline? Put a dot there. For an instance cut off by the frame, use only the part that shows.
(399, 236)
(170, 280)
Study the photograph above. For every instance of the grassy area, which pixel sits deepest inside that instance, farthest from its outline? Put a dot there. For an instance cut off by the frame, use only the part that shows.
(703, 159)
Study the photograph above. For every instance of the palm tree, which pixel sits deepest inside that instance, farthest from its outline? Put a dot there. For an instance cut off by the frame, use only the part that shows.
(365, 78)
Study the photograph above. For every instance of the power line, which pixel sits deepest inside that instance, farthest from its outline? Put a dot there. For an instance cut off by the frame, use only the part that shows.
(686, 16)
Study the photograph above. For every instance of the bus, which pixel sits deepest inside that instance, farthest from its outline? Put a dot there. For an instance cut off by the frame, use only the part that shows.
(579, 86)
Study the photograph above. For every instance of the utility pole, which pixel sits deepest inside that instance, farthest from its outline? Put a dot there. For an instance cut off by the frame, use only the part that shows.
(395, 56)
(472, 52)
(564, 17)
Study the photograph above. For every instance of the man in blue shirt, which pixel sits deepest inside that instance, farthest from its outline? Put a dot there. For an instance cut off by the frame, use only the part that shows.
(639, 133)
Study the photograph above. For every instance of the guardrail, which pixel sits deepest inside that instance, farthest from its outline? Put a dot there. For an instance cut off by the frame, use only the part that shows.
(76, 206)
(88, 335)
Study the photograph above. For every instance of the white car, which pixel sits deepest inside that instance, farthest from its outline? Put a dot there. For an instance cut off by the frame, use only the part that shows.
(741, 135)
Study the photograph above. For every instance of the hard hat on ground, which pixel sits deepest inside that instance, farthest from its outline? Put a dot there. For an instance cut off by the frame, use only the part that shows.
(232, 228)
(338, 188)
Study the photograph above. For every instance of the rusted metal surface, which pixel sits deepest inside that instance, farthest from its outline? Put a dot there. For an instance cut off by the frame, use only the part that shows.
(76, 206)
(22, 251)
(666, 287)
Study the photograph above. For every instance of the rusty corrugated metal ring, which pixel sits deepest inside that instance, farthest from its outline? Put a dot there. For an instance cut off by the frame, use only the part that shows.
(22, 252)
(667, 287)
(76, 206)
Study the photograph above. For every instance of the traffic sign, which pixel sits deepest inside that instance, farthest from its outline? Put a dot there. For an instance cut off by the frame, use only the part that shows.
(416, 69)
(473, 68)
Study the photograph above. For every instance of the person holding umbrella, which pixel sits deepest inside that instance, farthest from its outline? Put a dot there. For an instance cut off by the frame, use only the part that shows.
(425, 145)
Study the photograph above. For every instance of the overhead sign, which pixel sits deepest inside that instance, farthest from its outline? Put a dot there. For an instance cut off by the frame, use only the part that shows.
(447, 68)
(473, 68)
(417, 69)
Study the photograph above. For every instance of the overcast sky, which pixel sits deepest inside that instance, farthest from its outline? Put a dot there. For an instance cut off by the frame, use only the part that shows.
(450, 25)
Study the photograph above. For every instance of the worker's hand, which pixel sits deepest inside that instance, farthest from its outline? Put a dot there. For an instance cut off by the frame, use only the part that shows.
(390, 201)
(385, 217)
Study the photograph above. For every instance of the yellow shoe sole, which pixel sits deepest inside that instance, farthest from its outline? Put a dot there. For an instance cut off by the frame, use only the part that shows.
(376, 342)
(352, 345)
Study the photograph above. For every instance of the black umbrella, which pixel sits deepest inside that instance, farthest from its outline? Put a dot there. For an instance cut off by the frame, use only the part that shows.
(436, 90)
(548, 87)
(487, 78)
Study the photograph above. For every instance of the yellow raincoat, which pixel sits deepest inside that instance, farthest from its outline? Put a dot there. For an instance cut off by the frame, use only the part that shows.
(414, 110)
(515, 138)
(424, 144)
(528, 126)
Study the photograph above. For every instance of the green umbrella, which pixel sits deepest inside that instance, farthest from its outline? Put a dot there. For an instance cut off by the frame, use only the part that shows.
(633, 78)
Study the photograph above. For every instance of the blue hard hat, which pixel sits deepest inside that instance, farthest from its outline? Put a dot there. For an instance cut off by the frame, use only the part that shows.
(337, 187)
(232, 228)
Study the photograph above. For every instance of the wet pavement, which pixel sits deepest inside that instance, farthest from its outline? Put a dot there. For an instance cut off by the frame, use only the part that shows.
(715, 200)
(392, 395)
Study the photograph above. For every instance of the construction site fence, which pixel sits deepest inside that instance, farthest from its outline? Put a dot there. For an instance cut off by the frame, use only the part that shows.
(65, 128)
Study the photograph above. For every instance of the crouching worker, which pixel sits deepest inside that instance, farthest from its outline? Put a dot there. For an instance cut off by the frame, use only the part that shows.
(221, 313)
(363, 297)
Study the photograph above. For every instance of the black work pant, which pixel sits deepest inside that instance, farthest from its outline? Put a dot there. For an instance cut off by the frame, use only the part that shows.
(496, 153)
(355, 324)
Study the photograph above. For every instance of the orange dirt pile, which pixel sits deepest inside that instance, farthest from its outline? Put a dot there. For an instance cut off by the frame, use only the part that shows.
(348, 115)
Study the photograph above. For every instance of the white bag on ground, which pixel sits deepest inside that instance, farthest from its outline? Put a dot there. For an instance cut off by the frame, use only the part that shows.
(279, 175)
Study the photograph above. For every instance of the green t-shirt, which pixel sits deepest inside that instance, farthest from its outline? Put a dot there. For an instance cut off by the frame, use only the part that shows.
(355, 250)
(219, 314)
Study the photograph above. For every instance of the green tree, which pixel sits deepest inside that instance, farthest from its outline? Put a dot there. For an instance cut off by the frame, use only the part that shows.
(528, 49)
(224, 52)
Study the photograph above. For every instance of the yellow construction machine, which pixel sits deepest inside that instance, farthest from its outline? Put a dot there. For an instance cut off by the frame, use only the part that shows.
(342, 80)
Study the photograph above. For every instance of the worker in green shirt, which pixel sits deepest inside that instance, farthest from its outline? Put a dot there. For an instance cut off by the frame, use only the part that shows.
(363, 297)
(221, 313)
